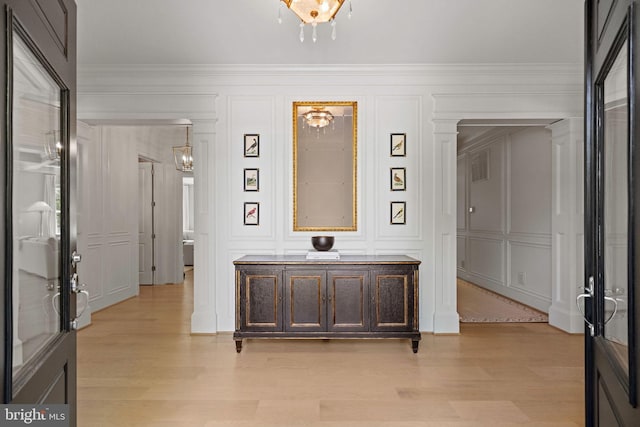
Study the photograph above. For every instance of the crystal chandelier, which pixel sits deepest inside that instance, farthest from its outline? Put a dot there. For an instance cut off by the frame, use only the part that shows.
(318, 117)
(183, 156)
(315, 12)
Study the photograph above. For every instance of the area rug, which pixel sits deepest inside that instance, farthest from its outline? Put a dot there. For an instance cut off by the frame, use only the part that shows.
(478, 305)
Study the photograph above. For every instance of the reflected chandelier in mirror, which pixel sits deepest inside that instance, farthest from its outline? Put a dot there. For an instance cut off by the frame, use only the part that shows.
(325, 166)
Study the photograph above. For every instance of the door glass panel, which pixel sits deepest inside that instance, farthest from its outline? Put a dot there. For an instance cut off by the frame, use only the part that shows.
(36, 146)
(616, 232)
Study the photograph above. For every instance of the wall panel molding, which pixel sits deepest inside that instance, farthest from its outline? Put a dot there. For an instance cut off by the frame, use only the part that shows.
(167, 79)
(444, 93)
(567, 224)
(396, 114)
(445, 317)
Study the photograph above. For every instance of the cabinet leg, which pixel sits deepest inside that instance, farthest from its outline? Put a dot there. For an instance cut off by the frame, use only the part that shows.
(414, 345)
(239, 346)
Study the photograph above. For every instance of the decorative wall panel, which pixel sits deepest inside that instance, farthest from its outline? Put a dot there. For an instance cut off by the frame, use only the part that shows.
(529, 269)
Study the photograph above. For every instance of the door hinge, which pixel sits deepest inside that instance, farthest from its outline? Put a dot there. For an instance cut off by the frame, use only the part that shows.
(153, 268)
(153, 204)
(153, 236)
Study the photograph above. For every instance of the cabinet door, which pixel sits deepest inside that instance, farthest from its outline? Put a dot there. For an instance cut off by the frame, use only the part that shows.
(348, 308)
(305, 300)
(393, 296)
(260, 300)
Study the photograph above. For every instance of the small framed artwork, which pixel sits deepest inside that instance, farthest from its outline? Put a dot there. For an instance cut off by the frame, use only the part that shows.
(398, 179)
(251, 179)
(398, 212)
(251, 213)
(398, 144)
(251, 145)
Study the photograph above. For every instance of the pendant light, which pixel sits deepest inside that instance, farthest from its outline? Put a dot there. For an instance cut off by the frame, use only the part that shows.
(183, 156)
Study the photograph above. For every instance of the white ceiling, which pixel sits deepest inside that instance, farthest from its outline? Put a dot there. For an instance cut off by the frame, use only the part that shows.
(380, 32)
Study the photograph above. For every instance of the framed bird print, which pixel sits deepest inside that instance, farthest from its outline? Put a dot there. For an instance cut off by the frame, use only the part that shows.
(251, 179)
(398, 179)
(398, 144)
(251, 145)
(398, 210)
(251, 213)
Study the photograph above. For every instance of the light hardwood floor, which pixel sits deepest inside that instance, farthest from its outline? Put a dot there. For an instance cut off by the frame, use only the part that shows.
(138, 365)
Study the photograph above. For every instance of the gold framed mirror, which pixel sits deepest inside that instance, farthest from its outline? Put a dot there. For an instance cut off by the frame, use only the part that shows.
(325, 165)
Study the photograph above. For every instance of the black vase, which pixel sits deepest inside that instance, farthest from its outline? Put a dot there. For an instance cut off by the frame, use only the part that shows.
(322, 243)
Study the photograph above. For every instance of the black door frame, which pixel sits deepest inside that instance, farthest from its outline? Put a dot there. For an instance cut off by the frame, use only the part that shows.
(53, 42)
(608, 25)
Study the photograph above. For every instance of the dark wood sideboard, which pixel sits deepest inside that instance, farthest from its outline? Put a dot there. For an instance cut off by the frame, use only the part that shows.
(288, 296)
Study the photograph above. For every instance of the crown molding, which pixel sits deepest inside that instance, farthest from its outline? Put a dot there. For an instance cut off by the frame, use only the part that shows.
(339, 69)
(209, 78)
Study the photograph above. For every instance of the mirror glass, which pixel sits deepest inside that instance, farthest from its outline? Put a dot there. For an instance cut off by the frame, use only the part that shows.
(324, 166)
(616, 209)
(36, 150)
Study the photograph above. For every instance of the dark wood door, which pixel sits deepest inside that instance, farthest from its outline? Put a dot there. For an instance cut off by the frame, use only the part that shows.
(38, 207)
(348, 296)
(612, 215)
(261, 292)
(305, 300)
(392, 308)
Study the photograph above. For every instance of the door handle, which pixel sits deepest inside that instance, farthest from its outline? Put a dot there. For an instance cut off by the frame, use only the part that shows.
(587, 294)
(56, 296)
(78, 289)
(615, 308)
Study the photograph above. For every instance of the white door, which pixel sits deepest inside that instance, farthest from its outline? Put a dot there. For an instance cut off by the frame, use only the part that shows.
(145, 224)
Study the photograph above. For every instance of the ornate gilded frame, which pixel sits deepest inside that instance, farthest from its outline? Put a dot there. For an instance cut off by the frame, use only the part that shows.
(298, 225)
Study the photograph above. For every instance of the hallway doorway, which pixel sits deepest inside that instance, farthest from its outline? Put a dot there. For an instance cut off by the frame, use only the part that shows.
(504, 200)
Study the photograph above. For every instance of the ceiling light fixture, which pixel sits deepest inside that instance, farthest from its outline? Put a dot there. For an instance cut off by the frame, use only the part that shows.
(315, 12)
(183, 156)
(318, 117)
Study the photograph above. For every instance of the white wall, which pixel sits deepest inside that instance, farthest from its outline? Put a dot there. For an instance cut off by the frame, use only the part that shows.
(379, 115)
(107, 215)
(423, 101)
(505, 243)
